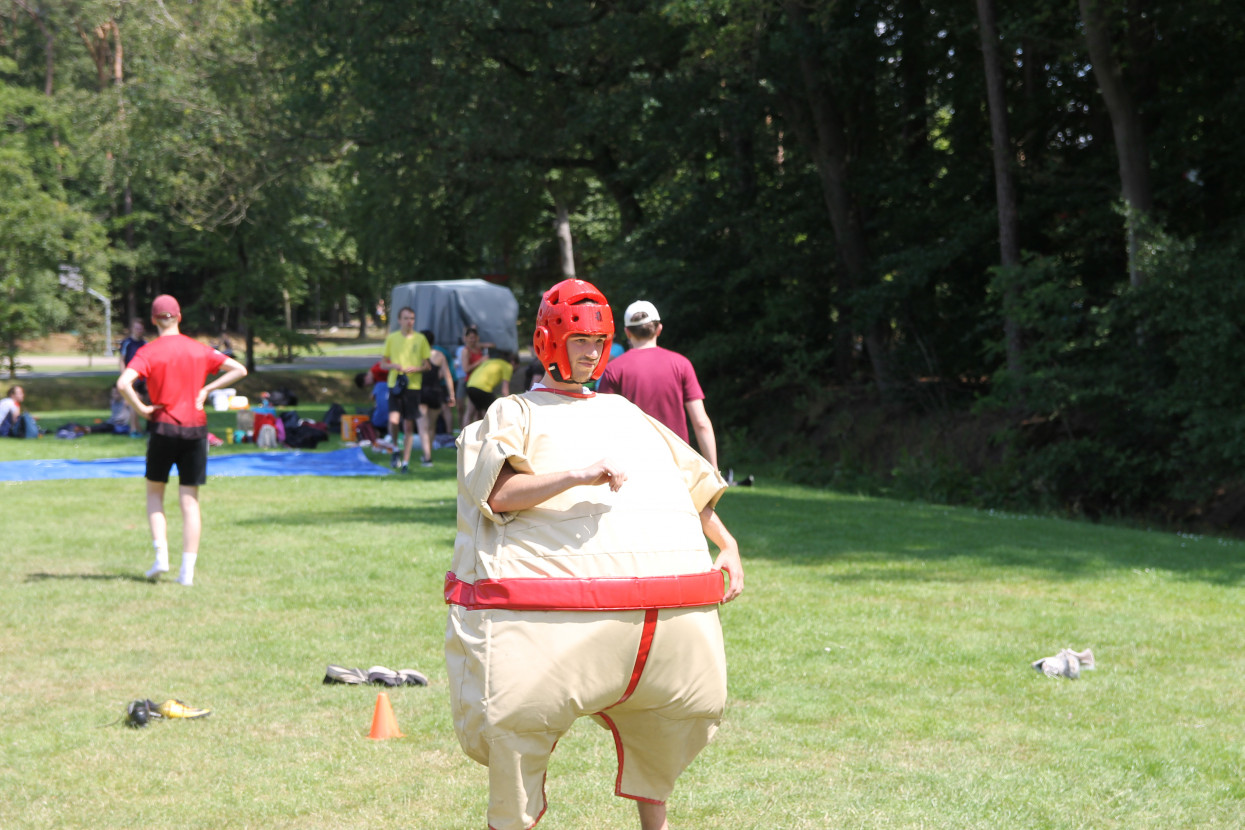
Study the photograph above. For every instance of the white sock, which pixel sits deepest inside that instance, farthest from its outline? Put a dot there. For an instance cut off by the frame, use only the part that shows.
(187, 574)
(161, 565)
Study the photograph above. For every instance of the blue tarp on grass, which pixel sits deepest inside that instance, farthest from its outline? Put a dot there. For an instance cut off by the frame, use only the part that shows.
(346, 462)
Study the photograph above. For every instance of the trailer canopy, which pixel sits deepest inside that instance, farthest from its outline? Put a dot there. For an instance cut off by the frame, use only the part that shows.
(446, 307)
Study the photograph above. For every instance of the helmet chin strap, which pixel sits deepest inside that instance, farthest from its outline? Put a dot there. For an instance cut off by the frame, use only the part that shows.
(556, 374)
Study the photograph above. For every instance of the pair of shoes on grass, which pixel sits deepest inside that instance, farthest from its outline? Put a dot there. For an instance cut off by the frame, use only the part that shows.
(157, 570)
(376, 675)
(141, 712)
(1067, 663)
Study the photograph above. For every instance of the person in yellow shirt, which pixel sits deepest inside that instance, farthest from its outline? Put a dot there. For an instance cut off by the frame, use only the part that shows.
(495, 370)
(405, 358)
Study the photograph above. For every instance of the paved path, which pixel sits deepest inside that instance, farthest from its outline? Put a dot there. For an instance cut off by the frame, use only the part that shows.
(46, 366)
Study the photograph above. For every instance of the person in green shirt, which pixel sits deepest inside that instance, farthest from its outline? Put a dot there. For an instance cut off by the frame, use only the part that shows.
(484, 379)
(405, 358)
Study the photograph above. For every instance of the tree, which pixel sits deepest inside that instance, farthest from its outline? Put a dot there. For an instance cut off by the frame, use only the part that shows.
(1004, 182)
(39, 229)
(1127, 129)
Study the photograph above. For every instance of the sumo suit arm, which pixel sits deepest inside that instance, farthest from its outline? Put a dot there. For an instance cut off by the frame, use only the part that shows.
(728, 552)
(514, 490)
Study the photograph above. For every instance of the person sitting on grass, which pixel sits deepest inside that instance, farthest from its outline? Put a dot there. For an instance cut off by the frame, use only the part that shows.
(15, 423)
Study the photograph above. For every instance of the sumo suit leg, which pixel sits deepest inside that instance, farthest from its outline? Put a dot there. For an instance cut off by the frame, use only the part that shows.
(520, 679)
(675, 708)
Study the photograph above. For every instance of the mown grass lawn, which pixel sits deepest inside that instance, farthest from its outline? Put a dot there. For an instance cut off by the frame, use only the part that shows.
(878, 659)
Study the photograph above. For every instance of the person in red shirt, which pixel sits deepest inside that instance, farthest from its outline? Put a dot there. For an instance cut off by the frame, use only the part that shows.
(659, 381)
(176, 369)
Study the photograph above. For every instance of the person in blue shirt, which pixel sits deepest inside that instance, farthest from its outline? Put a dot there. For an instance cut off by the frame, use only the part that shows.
(125, 353)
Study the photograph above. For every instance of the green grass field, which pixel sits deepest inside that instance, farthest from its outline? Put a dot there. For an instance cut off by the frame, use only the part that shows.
(878, 661)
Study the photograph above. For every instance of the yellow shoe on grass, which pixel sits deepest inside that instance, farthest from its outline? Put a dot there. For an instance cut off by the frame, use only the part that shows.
(177, 709)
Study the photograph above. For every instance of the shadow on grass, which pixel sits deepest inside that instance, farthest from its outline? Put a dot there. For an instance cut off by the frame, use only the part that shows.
(812, 529)
(43, 576)
(443, 515)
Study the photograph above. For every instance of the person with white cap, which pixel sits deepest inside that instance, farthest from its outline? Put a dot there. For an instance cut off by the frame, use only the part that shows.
(661, 382)
(176, 368)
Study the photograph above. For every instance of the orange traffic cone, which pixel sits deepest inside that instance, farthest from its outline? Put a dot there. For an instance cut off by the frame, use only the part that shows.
(384, 724)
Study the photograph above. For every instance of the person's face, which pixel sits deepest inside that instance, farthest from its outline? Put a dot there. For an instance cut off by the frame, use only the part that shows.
(407, 321)
(583, 352)
(136, 329)
(471, 339)
(19, 394)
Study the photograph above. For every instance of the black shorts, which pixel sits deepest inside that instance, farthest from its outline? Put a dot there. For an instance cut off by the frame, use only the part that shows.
(482, 399)
(406, 404)
(189, 454)
(430, 396)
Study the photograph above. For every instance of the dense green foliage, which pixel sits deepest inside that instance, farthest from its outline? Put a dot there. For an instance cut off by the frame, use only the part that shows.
(806, 190)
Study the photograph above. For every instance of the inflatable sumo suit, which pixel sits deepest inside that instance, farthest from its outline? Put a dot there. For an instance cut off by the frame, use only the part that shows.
(594, 602)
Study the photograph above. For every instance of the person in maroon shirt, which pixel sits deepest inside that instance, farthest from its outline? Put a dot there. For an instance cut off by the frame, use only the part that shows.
(659, 381)
(176, 369)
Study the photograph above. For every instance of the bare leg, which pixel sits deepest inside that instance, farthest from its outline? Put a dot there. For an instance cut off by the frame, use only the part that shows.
(461, 394)
(155, 511)
(192, 523)
(188, 497)
(409, 429)
(159, 529)
(652, 816)
(395, 429)
(427, 428)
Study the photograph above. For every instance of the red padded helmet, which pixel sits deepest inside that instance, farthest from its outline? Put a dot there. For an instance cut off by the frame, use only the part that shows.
(571, 307)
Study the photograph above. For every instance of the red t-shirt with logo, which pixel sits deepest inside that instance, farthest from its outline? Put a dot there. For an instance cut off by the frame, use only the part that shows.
(176, 368)
(657, 380)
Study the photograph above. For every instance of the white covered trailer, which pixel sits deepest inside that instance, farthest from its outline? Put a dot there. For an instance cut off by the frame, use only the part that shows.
(445, 307)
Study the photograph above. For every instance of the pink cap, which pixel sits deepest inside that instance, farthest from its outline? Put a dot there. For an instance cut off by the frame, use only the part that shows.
(165, 306)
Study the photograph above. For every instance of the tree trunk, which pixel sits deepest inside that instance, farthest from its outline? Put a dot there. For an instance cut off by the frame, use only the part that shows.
(49, 72)
(1004, 186)
(1127, 129)
(827, 141)
(97, 47)
(49, 45)
(566, 248)
(127, 209)
(244, 317)
(630, 214)
(366, 305)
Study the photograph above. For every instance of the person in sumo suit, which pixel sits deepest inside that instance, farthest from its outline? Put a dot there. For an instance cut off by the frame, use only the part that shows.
(582, 583)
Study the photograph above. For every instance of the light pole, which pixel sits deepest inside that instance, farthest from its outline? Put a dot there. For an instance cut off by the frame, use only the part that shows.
(71, 277)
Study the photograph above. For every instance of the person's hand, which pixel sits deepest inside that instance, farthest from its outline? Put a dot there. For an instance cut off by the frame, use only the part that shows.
(201, 398)
(147, 410)
(728, 560)
(604, 472)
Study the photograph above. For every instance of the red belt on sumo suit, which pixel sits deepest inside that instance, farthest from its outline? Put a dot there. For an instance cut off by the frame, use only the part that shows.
(588, 594)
